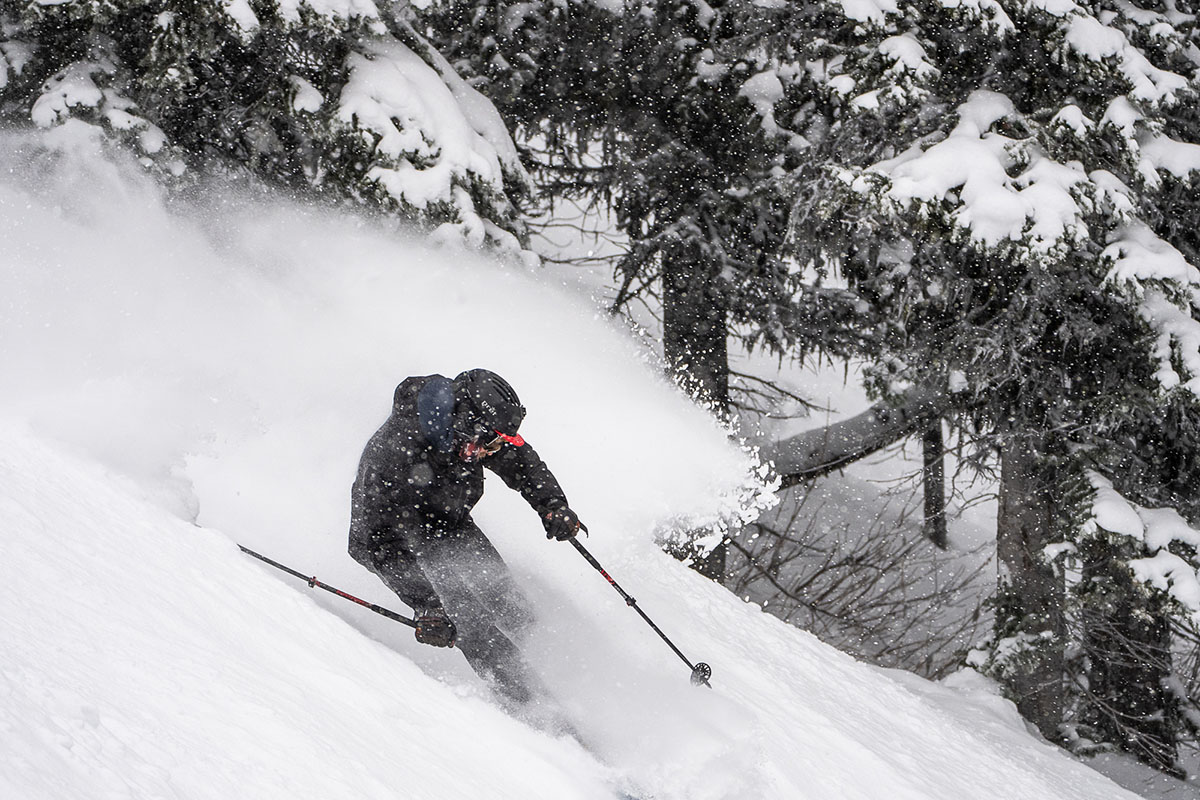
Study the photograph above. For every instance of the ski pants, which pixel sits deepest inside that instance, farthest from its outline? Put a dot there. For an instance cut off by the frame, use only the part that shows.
(478, 593)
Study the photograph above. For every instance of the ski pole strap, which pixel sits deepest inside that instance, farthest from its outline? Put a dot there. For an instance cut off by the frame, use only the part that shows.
(314, 583)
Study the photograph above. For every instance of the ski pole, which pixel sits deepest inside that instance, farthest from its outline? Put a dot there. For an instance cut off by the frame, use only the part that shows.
(701, 672)
(314, 583)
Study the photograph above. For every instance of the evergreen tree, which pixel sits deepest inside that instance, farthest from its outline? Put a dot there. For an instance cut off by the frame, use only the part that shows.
(338, 98)
(678, 112)
(1004, 185)
(1019, 229)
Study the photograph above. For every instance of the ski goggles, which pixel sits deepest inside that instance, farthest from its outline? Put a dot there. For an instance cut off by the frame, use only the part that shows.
(481, 446)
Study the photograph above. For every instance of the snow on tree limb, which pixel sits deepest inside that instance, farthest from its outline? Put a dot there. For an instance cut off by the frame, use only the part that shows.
(1143, 263)
(71, 88)
(481, 115)
(1158, 529)
(1178, 339)
(290, 10)
(426, 139)
(1139, 255)
(872, 11)
(397, 97)
(1181, 159)
(338, 97)
(971, 169)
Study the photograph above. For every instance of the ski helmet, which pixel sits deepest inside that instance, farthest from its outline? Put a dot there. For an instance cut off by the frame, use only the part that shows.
(489, 401)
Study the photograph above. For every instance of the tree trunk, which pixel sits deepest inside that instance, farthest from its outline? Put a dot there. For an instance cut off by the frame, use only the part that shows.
(1127, 638)
(1030, 594)
(696, 329)
(696, 349)
(934, 485)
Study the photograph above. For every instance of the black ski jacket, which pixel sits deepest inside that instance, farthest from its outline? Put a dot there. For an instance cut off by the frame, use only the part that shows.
(412, 485)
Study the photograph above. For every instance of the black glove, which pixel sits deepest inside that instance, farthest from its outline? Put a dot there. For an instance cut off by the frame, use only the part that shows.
(561, 524)
(435, 628)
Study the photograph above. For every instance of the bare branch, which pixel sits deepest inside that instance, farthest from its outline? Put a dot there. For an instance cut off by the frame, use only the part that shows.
(881, 592)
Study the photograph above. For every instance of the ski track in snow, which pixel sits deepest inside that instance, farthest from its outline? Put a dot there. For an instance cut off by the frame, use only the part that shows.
(176, 381)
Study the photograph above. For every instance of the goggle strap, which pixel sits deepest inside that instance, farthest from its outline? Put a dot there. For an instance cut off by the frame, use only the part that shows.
(514, 440)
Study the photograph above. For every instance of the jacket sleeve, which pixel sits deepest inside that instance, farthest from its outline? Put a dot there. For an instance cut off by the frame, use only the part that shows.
(382, 526)
(523, 470)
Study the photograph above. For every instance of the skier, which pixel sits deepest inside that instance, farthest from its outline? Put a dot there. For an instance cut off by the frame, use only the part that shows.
(419, 477)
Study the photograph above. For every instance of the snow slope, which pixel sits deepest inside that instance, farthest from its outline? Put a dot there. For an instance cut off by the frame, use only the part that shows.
(176, 379)
(145, 657)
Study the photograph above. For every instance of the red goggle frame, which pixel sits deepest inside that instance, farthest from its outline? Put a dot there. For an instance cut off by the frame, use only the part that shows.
(514, 440)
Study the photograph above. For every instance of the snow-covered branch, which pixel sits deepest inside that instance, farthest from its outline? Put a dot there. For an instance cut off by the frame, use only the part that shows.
(822, 450)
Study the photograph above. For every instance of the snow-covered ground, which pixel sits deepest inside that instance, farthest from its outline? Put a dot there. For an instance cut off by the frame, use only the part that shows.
(173, 381)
